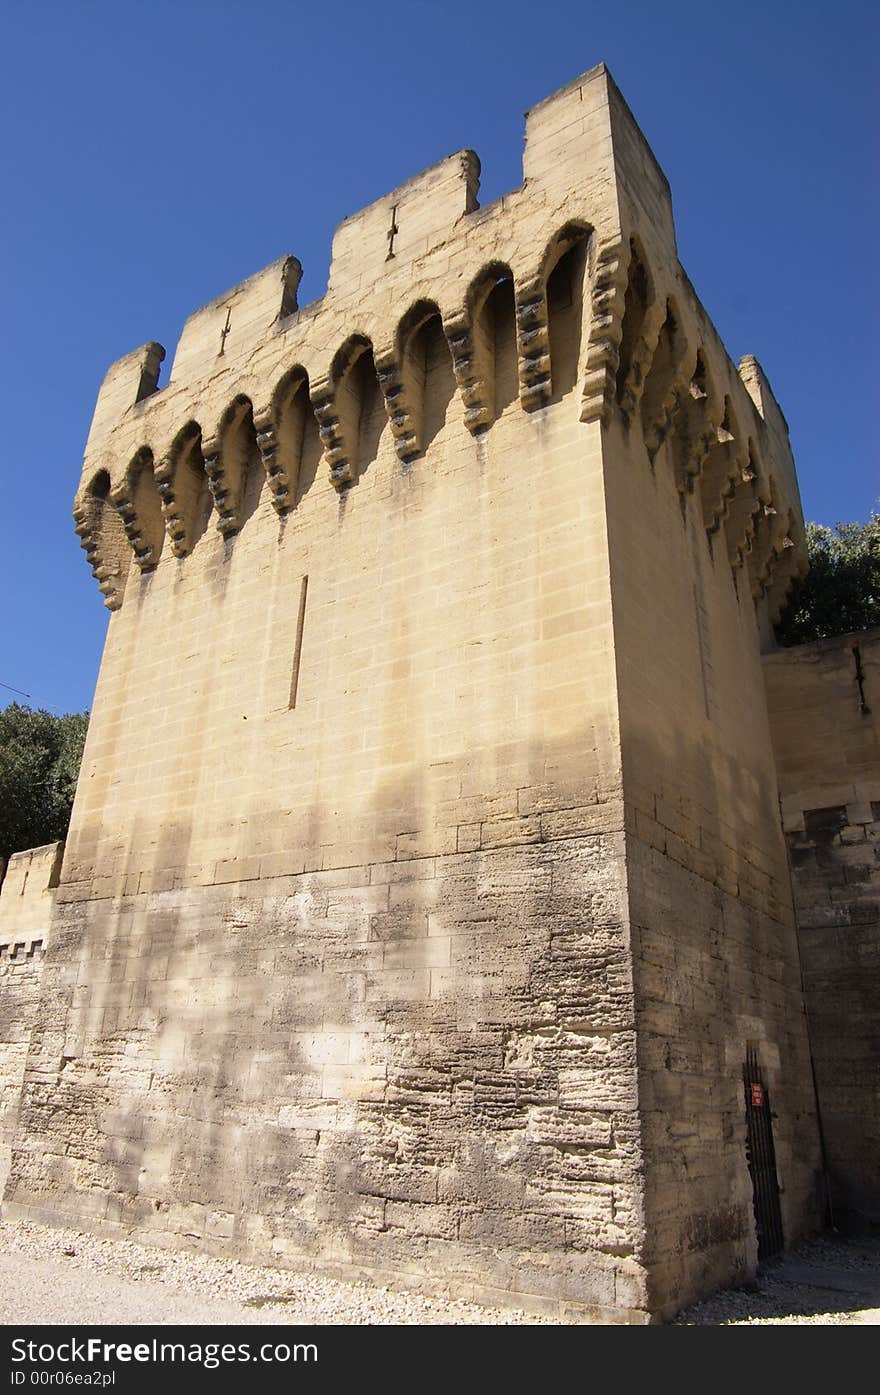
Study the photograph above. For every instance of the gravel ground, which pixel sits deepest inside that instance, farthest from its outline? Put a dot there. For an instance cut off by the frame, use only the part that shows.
(775, 1299)
(63, 1276)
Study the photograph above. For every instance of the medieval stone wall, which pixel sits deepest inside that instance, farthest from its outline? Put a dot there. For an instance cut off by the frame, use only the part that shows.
(824, 701)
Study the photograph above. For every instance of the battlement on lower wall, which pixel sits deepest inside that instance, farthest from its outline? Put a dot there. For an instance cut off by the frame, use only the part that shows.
(27, 899)
(259, 386)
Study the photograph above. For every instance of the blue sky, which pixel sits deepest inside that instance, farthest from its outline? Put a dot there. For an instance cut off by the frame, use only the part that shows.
(154, 155)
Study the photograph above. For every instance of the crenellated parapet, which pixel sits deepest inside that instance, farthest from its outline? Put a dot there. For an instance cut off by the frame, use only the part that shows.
(584, 249)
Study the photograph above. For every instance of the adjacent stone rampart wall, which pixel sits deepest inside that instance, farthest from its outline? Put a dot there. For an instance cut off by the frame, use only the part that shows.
(824, 701)
(27, 898)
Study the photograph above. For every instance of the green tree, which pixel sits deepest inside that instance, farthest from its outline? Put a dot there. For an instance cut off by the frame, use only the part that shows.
(841, 591)
(40, 756)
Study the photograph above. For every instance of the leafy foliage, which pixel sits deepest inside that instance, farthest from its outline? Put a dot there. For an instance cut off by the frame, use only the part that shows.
(841, 591)
(40, 757)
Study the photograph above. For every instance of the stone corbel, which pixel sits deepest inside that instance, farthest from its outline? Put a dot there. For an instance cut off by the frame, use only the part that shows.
(130, 500)
(276, 475)
(533, 344)
(402, 407)
(770, 532)
(280, 429)
(642, 356)
(606, 325)
(178, 489)
(339, 453)
(739, 525)
(107, 573)
(722, 468)
(473, 370)
(697, 415)
(750, 531)
(175, 523)
(737, 483)
(123, 502)
(788, 567)
(667, 384)
(225, 490)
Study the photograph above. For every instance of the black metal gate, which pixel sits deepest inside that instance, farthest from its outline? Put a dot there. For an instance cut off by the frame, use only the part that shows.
(762, 1160)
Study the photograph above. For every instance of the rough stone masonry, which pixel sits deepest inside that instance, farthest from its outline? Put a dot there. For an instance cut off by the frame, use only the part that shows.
(426, 886)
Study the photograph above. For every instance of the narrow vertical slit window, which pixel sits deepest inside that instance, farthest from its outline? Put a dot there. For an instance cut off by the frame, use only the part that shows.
(703, 642)
(297, 650)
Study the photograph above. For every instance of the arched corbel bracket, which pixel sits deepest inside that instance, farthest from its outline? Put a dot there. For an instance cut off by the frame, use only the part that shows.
(739, 524)
(789, 566)
(280, 429)
(777, 558)
(338, 452)
(640, 362)
(175, 524)
(722, 469)
(338, 403)
(136, 500)
(667, 383)
(606, 319)
(102, 538)
(694, 420)
(108, 575)
(533, 344)
(643, 315)
(228, 456)
(471, 364)
(225, 494)
(771, 532)
(180, 477)
(738, 477)
(402, 407)
(276, 475)
(123, 501)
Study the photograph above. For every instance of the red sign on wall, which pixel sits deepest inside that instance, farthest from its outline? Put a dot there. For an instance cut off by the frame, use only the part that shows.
(757, 1096)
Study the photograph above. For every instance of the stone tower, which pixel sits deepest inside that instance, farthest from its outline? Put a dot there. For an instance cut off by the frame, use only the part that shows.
(425, 890)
